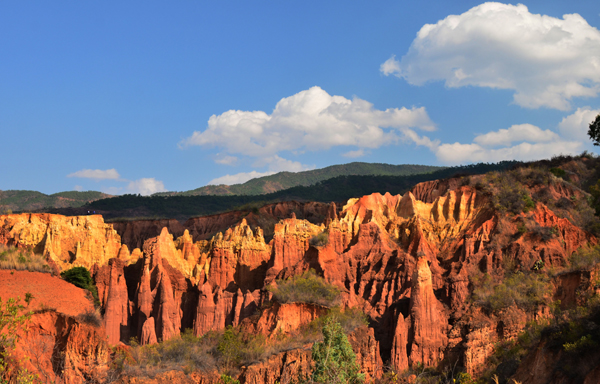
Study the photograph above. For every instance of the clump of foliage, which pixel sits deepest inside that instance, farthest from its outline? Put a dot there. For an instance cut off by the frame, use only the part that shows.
(584, 258)
(334, 360)
(525, 290)
(80, 277)
(13, 320)
(91, 317)
(558, 172)
(13, 258)
(227, 350)
(306, 288)
(319, 240)
(187, 352)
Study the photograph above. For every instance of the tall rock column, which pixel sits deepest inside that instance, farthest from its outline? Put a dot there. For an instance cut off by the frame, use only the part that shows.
(116, 310)
(428, 321)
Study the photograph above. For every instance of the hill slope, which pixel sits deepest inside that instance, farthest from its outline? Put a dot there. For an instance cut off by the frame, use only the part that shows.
(338, 189)
(17, 200)
(285, 180)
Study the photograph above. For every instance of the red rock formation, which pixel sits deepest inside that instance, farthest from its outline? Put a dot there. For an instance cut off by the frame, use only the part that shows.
(58, 348)
(428, 324)
(135, 232)
(112, 292)
(283, 318)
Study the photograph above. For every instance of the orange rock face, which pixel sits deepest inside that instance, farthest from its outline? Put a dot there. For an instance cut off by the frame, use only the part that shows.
(406, 261)
(66, 241)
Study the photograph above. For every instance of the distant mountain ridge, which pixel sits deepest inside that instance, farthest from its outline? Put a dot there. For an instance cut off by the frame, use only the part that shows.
(284, 180)
(21, 200)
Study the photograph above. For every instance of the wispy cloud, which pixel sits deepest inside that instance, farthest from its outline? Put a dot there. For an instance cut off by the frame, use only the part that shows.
(354, 154)
(96, 174)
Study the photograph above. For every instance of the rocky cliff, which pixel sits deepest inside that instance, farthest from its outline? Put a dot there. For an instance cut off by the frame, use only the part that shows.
(410, 263)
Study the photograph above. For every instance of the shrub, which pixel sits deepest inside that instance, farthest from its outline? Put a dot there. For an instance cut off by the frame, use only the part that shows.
(584, 258)
(80, 277)
(12, 323)
(525, 290)
(229, 347)
(319, 240)
(558, 172)
(90, 317)
(334, 359)
(307, 288)
(544, 233)
(513, 199)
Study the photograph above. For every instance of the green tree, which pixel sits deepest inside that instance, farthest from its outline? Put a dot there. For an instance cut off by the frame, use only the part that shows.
(335, 362)
(594, 131)
(230, 347)
(12, 321)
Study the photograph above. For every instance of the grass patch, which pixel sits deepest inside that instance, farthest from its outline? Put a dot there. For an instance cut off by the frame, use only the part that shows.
(526, 290)
(306, 288)
(17, 259)
(90, 317)
(226, 351)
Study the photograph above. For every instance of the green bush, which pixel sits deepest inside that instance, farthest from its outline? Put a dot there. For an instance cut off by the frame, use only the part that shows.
(558, 172)
(307, 288)
(80, 277)
(334, 359)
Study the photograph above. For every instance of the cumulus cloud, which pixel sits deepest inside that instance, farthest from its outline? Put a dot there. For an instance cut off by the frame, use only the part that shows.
(78, 188)
(309, 120)
(146, 186)
(96, 174)
(576, 125)
(519, 142)
(547, 61)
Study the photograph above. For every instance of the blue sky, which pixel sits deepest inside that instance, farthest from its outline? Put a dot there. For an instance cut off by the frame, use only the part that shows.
(139, 97)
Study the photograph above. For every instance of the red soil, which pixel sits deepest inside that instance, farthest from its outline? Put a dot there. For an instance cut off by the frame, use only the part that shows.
(48, 292)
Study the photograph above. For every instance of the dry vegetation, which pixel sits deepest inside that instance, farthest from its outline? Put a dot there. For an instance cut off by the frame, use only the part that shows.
(21, 260)
(306, 288)
(225, 351)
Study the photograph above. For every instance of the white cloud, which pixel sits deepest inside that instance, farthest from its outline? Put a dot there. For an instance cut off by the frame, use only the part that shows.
(576, 125)
(238, 178)
(309, 120)
(530, 143)
(547, 61)
(390, 66)
(275, 164)
(78, 188)
(458, 153)
(516, 133)
(96, 174)
(146, 186)
(226, 160)
(354, 154)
